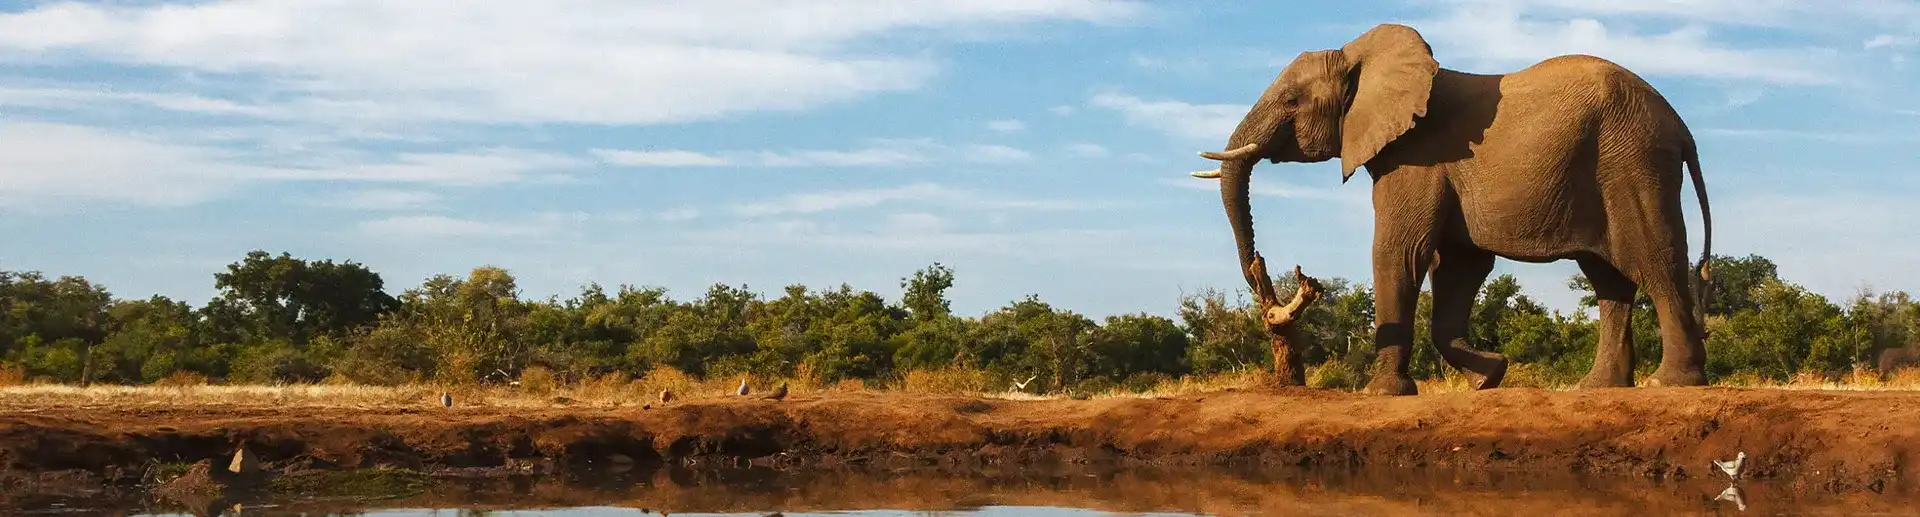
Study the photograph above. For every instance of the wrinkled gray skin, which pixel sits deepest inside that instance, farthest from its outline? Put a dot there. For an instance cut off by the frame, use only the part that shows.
(1573, 158)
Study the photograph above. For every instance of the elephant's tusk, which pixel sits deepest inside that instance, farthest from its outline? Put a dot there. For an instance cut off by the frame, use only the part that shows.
(1234, 154)
(1212, 174)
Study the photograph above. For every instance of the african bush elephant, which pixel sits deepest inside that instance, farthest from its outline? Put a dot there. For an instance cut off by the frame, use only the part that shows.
(1574, 157)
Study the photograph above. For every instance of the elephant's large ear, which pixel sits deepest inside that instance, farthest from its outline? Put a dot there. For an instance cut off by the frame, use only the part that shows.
(1394, 69)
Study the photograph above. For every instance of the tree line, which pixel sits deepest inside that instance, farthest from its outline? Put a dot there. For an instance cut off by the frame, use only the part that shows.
(283, 319)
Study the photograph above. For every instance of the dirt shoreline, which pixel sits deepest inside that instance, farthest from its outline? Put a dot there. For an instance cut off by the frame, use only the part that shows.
(1801, 441)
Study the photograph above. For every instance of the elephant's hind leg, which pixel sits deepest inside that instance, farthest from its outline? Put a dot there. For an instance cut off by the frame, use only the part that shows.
(1457, 278)
(1683, 354)
(1613, 355)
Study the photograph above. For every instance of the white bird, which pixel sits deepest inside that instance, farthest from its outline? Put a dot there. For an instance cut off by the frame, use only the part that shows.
(446, 399)
(1732, 493)
(1023, 384)
(1732, 468)
(742, 390)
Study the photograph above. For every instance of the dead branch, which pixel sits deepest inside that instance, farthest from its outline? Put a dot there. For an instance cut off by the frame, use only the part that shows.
(1280, 319)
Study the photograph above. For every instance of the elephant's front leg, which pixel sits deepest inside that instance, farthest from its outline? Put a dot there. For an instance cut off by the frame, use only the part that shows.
(1397, 275)
(1407, 208)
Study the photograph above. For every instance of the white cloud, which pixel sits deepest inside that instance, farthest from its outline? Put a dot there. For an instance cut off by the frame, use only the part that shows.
(995, 154)
(921, 194)
(1198, 122)
(593, 61)
(1007, 126)
(1823, 136)
(100, 98)
(1062, 110)
(915, 223)
(667, 158)
(1501, 36)
(1088, 151)
(1773, 14)
(879, 153)
(870, 157)
(435, 226)
(1892, 42)
(680, 214)
(384, 199)
(491, 166)
(918, 233)
(56, 165)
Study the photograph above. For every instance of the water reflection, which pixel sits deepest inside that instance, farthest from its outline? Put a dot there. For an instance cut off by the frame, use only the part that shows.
(1060, 491)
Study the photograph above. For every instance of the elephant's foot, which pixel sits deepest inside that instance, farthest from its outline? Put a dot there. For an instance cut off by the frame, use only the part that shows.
(1391, 385)
(1600, 379)
(1677, 377)
(1494, 375)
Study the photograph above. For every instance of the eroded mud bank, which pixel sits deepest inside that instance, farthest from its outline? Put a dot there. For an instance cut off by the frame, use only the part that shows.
(1830, 442)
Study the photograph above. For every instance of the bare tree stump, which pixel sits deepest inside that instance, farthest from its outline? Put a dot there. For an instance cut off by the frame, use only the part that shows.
(1282, 330)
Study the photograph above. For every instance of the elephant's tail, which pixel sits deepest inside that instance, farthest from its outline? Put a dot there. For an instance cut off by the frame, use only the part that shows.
(1702, 288)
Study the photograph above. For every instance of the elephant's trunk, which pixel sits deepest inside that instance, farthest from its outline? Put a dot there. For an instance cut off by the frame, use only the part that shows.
(1246, 147)
(1235, 177)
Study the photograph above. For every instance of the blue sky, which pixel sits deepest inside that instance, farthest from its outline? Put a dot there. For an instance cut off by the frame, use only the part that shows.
(1035, 146)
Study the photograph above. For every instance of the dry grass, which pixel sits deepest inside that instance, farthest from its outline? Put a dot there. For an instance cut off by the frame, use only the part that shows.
(617, 390)
(1860, 379)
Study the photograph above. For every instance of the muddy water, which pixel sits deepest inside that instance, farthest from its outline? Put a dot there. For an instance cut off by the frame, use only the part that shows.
(1057, 491)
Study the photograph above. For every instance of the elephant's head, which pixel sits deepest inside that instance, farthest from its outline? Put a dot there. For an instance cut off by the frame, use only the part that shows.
(1349, 102)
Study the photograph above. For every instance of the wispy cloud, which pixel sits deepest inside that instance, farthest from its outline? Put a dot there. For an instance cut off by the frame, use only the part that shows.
(1196, 122)
(1823, 136)
(383, 199)
(437, 226)
(1088, 151)
(666, 158)
(680, 214)
(597, 61)
(828, 158)
(51, 165)
(1007, 125)
(920, 194)
(492, 166)
(1889, 41)
(1502, 35)
(879, 153)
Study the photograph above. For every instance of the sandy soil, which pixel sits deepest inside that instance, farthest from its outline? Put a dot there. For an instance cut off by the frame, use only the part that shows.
(1797, 441)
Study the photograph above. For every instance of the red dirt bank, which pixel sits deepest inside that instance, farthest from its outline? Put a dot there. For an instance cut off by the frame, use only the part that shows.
(1814, 441)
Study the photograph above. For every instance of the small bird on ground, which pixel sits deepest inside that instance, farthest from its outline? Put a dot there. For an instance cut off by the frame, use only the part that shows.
(742, 390)
(1732, 468)
(1732, 493)
(778, 393)
(446, 399)
(666, 396)
(1023, 384)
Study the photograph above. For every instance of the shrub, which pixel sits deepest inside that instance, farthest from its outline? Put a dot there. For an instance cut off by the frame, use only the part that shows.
(950, 380)
(1333, 374)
